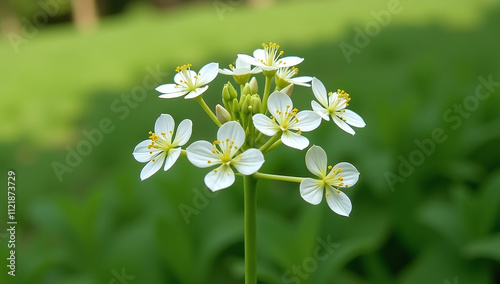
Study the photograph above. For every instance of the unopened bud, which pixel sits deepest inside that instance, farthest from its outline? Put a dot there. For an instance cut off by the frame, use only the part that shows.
(245, 102)
(236, 106)
(247, 90)
(232, 91)
(255, 103)
(254, 86)
(288, 90)
(225, 93)
(222, 114)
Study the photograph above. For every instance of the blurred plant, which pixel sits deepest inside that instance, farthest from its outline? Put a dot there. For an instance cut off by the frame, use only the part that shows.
(243, 123)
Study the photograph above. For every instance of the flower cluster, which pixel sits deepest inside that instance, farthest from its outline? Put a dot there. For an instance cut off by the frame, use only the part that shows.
(250, 124)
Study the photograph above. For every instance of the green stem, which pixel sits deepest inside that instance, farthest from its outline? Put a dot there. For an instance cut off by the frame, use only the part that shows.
(276, 144)
(210, 113)
(258, 175)
(270, 142)
(267, 90)
(250, 188)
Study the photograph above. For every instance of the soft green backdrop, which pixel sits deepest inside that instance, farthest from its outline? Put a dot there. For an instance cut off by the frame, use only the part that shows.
(438, 223)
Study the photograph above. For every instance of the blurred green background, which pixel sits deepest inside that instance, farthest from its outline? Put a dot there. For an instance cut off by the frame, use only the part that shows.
(426, 215)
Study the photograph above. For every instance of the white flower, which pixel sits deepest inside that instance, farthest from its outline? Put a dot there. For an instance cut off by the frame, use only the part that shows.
(284, 78)
(285, 118)
(224, 152)
(269, 59)
(341, 175)
(334, 104)
(161, 145)
(188, 82)
(241, 68)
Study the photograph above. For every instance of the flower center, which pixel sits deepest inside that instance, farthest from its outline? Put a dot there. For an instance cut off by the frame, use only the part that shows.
(224, 149)
(288, 119)
(187, 80)
(271, 55)
(161, 142)
(334, 178)
(334, 106)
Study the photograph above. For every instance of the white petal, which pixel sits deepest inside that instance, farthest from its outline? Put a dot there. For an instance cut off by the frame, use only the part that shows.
(142, 152)
(255, 70)
(349, 173)
(301, 81)
(321, 111)
(279, 101)
(172, 156)
(168, 88)
(249, 161)
(233, 131)
(340, 123)
(259, 54)
(240, 63)
(353, 118)
(311, 190)
(184, 131)
(249, 59)
(153, 166)
(308, 121)
(181, 93)
(207, 74)
(196, 93)
(319, 92)
(339, 202)
(316, 161)
(226, 71)
(200, 152)
(220, 178)
(265, 125)
(290, 61)
(164, 124)
(267, 68)
(294, 140)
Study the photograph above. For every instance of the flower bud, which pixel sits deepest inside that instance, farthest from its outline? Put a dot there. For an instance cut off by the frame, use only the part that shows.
(236, 106)
(254, 86)
(232, 91)
(222, 114)
(256, 103)
(225, 93)
(247, 90)
(288, 90)
(244, 104)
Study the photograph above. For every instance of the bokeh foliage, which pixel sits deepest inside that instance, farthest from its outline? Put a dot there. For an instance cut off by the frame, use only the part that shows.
(441, 223)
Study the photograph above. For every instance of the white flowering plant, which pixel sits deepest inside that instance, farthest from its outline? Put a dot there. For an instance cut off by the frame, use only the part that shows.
(249, 126)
